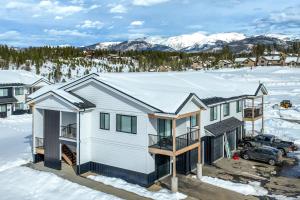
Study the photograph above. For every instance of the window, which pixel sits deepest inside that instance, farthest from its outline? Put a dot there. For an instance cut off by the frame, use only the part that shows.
(19, 91)
(104, 121)
(3, 92)
(19, 106)
(238, 106)
(193, 120)
(213, 113)
(226, 109)
(126, 124)
(164, 127)
(2, 108)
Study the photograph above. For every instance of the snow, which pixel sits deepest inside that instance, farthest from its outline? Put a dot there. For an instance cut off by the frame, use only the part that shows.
(252, 188)
(141, 191)
(291, 59)
(18, 76)
(272, 57)
(198, 38)
(26, 183)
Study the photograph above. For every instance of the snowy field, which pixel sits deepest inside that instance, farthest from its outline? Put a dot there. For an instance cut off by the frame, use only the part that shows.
(15, 145)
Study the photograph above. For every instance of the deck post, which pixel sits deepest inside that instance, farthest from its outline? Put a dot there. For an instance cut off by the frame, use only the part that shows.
(199, 164)
(262, 119)
(174, 179)
(253, 116)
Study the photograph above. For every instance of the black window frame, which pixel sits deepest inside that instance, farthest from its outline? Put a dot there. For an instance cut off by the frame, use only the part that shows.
(119, 127)
(227, 105)
(213, 116)
(19, 89)
(7, 92)
(104, 128)
(239, 106)
(196, 118)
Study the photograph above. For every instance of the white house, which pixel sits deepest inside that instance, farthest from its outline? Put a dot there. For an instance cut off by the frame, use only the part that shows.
(292, 61)
(15, 85)
(134, 126)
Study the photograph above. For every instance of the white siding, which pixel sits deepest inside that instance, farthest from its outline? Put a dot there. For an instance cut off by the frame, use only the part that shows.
(53, 103)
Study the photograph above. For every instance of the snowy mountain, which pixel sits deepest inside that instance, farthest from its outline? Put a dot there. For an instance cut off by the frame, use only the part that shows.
(197, 42)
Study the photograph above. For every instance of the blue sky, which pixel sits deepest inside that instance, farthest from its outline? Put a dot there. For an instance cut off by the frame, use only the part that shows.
(83, 22)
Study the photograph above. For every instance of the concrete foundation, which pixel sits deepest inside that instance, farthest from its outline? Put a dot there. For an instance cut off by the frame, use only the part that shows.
(174, 184)
(199, 171)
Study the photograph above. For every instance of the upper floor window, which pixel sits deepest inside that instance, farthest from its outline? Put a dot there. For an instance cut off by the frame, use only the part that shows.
(213, 113)
(193, 120)
(238, 106)
(164, 127)
(226, 109)
(104, 121)
(2, 108)
(126, 124)
(19, 91)
(3, 92)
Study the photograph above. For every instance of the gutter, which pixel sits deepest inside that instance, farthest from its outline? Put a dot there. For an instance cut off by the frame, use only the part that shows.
(79, 171)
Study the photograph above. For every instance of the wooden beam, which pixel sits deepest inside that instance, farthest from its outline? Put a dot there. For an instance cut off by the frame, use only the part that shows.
(187, 114)
(174, 146)
(161, 151)
(188, 148)
(39, 150)
(151, 115)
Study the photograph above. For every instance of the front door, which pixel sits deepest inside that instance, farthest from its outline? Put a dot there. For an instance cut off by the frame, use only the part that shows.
(162, 166)
(51, 139)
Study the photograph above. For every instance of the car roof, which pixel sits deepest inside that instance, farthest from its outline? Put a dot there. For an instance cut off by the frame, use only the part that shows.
(268, 148)
(267, 135)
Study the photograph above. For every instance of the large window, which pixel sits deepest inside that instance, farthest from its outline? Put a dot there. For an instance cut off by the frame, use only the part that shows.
(213, 113)
(164, 127)
(19, 106)
(126, 124)
(19, 91)
(3, 92)
(104, 121)
(238, 106)
(2, 108)
(194, 121)
(226, 109)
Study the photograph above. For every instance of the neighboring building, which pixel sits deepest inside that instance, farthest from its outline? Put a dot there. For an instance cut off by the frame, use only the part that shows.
(245, 62)
(138, 126)
(270, 61)
(15, 85)
(225, 63)
(292, 61)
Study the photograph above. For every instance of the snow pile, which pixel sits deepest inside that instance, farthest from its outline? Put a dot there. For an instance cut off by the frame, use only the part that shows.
(141, 191)
(252, 188)
(18, 76)
(15, 141)
(25, 183)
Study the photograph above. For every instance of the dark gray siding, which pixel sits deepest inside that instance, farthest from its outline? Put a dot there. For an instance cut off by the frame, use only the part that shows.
(217, 148)
(51, 140)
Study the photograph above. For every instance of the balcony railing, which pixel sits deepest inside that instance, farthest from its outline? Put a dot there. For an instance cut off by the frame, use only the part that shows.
(69, 131)
(258, 111)
(166, 142)
(39, 142)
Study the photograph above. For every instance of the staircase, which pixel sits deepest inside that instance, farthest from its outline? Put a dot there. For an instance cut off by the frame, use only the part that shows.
(68, 155)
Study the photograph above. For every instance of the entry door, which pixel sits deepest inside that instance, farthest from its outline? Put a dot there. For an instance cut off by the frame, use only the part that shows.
(51, 139)
(162, 165)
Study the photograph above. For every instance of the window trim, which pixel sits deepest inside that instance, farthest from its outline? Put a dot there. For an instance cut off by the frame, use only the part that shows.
(239, 106)
(131, 120)
(104, 113)
(18, 89)
(213, 113)
(227, 105)
(5, 106)
(7, 93)
(17, 108)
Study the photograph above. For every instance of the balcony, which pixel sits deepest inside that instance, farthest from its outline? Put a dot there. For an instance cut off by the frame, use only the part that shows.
(69, 131)
(249, 115)
(165, 143)
(39, 145)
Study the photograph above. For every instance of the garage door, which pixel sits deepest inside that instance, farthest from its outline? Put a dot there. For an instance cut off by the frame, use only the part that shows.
(231, 139)
(217, 148)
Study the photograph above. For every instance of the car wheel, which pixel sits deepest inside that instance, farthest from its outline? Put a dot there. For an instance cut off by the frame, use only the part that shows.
(246, 156)
(248, 145)
(272, 162)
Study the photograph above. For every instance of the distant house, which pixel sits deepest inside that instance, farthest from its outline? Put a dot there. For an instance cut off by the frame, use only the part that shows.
(225, 63)
(270, 61)
(292, 61)
(245, 62)
(15, 86)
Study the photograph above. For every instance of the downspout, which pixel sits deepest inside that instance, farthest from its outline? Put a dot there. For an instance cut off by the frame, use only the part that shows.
(79, 143)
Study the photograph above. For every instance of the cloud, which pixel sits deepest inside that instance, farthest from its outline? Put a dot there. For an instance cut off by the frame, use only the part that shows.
(148, 2)
(88, 24)
(119, 8)
(137, 23)
(58, 18)
(8, 35)
(66, 32)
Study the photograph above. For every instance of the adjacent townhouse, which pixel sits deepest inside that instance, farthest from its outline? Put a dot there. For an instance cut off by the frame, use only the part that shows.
(225, 63)
(140, 127)
(245, 62)
(15, 86)
(292, 61)
(270, 61)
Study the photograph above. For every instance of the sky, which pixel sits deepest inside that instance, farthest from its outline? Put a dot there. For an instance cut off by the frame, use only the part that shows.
(84, 22)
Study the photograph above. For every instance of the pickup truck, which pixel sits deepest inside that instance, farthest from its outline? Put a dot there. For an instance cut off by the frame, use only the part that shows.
(269, 140)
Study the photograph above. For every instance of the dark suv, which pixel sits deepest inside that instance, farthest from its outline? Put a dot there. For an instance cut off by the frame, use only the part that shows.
(264, 153)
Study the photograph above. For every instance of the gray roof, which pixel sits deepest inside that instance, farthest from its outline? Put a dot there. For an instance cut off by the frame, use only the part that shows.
(85, 105)
(216, 100)
(223, 126)
(8, 100)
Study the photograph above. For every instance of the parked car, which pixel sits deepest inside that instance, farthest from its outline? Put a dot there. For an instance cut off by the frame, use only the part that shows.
(266, 154)
(286, 104)
(269, 140)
